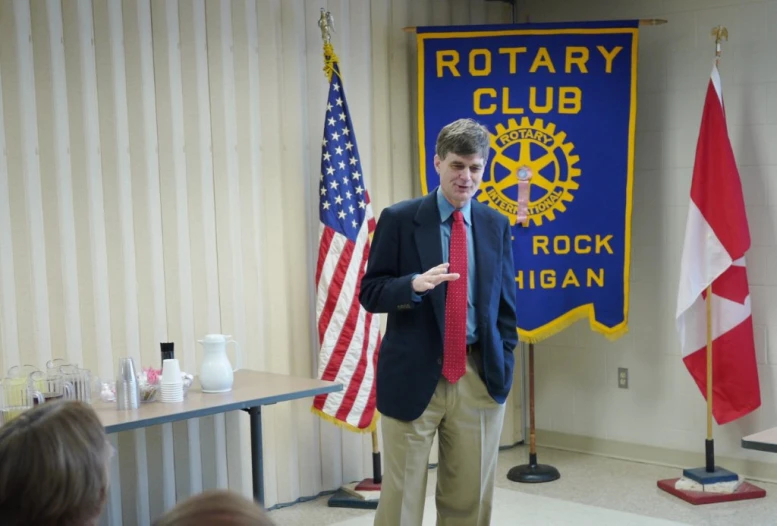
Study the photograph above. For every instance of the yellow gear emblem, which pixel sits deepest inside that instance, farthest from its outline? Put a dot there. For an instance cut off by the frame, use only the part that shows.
(539, 147)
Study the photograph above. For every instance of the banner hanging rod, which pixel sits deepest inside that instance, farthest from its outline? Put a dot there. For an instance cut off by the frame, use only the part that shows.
(642, 22)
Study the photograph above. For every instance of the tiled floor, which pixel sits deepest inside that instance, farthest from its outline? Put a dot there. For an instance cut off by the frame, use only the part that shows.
(591, 490)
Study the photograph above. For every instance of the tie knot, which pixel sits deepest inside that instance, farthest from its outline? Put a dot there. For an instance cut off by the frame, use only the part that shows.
(458, 217)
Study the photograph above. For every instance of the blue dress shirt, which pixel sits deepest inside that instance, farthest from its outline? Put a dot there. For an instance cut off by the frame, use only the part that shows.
(446, 219)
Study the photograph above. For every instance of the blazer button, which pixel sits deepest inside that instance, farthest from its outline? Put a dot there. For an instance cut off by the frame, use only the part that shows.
(439, 361)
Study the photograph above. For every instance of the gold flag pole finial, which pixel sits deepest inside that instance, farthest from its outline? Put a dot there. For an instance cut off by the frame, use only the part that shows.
(327, 25)
(720, 33)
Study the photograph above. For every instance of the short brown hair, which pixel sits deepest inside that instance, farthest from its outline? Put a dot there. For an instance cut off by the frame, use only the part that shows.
(215, 508)
(463, 137)
(53, 466)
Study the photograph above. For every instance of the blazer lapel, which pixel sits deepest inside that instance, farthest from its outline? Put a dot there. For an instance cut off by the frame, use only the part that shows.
(429, 246)
(487, 261)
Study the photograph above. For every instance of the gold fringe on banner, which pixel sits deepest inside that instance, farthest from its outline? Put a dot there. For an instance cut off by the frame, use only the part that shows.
(559, 324)
(344, 425)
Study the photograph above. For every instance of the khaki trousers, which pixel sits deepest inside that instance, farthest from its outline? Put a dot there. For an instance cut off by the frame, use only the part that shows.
(469, 423)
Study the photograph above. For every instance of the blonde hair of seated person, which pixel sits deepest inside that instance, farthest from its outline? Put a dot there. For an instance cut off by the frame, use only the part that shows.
(216, 508)
(53, 466)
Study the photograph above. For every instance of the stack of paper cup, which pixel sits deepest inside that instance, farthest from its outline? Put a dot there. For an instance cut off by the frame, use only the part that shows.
(172, 383)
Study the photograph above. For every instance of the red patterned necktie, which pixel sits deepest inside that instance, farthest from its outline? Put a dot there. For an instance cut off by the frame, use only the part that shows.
(455, 347)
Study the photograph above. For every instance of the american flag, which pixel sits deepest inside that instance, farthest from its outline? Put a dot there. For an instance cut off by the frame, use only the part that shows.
(349, 336)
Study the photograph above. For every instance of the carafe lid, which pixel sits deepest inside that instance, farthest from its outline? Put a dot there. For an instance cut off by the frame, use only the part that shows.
(215, 338)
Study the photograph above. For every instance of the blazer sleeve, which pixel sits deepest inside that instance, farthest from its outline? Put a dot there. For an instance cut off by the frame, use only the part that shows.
(383, 290)
(507, 318)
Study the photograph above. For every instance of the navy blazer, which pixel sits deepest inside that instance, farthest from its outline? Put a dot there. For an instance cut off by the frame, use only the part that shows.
(406, 242)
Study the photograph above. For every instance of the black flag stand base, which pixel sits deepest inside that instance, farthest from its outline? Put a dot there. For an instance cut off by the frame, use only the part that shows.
(532, 472)
(366, 494)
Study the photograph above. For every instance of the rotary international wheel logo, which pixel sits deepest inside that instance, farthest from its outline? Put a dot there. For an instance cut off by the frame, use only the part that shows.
(547, 154)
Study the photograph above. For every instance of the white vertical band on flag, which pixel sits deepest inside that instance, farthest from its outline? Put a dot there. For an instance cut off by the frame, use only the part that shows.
(726, 315)
(715, 77)
(703, 259)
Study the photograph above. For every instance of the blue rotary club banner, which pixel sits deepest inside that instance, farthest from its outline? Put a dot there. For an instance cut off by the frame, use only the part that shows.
(560, 103)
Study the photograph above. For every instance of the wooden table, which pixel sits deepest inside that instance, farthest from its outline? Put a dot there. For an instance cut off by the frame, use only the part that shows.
(251, 390)
(762, 441)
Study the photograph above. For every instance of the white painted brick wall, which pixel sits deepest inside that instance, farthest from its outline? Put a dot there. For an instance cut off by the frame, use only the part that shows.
(577, 370)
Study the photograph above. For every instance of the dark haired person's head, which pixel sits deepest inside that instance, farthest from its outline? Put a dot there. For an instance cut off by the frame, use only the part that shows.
(53, 466)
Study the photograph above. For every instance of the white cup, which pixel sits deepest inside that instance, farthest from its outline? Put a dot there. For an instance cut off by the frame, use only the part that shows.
(172, 393)
(171, 371)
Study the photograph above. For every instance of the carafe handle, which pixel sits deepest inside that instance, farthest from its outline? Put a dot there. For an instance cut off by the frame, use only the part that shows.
(238, 355)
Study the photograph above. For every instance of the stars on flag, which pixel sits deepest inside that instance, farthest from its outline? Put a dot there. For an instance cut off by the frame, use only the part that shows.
(343, 198)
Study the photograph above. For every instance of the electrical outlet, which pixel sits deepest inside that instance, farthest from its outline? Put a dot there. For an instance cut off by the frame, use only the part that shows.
(623, 378)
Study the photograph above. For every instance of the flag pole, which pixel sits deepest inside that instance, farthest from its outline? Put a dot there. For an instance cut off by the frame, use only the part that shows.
(719, 33)
(347, 497)
(642, 21)
(710, 442)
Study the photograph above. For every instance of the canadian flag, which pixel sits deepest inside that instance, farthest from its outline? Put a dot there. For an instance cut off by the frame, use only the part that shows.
(716, 239)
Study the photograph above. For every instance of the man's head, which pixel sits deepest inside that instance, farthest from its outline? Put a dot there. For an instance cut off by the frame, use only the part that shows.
(460, 157)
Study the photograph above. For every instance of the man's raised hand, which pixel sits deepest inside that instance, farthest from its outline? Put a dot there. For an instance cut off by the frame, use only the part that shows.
(433, 277)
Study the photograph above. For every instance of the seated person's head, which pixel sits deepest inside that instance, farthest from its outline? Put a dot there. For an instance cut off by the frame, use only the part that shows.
(215, 508)
(53, 466)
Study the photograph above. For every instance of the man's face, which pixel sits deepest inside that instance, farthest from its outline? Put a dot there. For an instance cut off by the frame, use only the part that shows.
(460, 176)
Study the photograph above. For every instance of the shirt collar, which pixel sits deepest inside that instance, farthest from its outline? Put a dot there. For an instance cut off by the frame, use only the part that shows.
(446, 209)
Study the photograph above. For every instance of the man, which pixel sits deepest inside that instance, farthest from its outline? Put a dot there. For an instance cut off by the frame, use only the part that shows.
(441, 266)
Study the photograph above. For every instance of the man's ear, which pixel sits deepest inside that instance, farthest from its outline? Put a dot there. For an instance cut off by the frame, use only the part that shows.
(437, 162)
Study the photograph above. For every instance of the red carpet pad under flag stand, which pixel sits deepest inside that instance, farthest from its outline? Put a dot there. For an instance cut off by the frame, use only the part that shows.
(745, 491)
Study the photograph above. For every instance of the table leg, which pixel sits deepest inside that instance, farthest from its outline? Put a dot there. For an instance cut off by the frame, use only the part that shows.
(257, 468)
